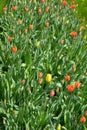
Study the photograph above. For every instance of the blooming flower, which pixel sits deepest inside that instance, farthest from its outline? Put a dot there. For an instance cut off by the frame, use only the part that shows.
(83, 119)
(73, 6)
(39, 11)
(47, 9)
(70, 88)
(40, 81)
(67, 77)
(73, 34)
(25, 31)
(19, 21)
(52, 93)
(26, 9)
(77, 84)
(5, 9)
(59, 127)
(14, 49)
(42, 1)
(47, 24)
(40, 75)
(64, 3)
(31, 27)
(48, 78)
(13, 8)
(9, 38)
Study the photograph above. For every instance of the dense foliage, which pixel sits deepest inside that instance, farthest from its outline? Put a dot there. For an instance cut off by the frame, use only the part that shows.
(43, 67)
(81, 8)
(2, 4)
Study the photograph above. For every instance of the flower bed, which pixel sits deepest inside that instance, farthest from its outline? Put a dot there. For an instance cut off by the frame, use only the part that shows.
(43, 67)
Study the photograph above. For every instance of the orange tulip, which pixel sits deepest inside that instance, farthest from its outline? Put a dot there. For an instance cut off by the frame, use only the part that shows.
(47, 24)
(64, 3)
(67, 77)
(19, 21)
(78, 84)
(31, 27)
(73, 6)
(26, 9)
(52, 93)
(40, 81)
(5, 9)
(42, 1)
(25, 31)
(14, 49)
(83, 119)
(73, 34)
(39, 11)
(47, 9)
(14, 7)
(40, 75)
(70, 88)
(9, 38)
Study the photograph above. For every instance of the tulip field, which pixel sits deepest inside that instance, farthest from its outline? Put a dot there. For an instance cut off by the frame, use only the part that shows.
(43, 66)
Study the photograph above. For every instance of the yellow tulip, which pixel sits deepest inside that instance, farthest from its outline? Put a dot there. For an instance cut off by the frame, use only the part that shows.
(37, 44)
(59, 127)
(48, 78)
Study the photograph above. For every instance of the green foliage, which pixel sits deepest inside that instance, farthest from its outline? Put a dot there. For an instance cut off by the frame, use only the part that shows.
(25, 100)
(2, 5)
(82, 8)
